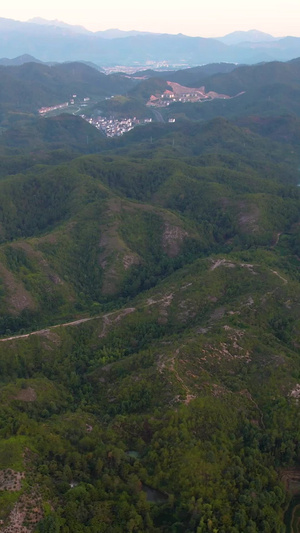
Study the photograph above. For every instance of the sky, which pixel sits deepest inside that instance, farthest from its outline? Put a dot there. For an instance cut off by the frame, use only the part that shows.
(206, 19)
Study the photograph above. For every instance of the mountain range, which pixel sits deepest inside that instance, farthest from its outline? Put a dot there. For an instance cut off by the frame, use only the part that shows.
(149, 327)
(56, 41)
(150, 302)
(268, 89)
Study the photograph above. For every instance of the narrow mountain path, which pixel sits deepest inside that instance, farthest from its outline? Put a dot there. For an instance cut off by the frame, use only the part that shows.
(172, 368)
(276, 239)
(279, 276)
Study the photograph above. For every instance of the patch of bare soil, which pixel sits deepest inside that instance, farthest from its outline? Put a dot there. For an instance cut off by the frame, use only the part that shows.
(26, 395)
(189, 398)
(295, 393)
(218, 390)
(199, 92)
(230, 264)
(166, 302)
(50, 336)
(217, 314)
(11, 480)
(188, 371)
(18, 297)
(249, 267)
(129, 260)
(51, 238)
(229, 350)
(26, 514)
(291, 480)
(222, 262)
(163, 304)
(276, 239)
(38, 256)
(249, 216)
(172, 239)
(113, 318)
(248, 395)
(171, 365)
(114, 252)
(185, 286)
(279, 276)
(186, 310)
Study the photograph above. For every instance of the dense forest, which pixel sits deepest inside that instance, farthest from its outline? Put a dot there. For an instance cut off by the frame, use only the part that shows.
(150, 319)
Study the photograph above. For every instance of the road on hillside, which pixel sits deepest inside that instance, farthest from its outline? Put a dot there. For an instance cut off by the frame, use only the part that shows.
(40, 331)
(106, 322)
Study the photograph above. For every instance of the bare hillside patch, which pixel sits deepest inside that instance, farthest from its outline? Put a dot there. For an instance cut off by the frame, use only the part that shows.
(18, 298)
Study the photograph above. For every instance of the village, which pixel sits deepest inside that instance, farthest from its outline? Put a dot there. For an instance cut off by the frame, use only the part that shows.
(58, 107)
(180, 93)
(109, 126)
(116, 127)
(112, 127)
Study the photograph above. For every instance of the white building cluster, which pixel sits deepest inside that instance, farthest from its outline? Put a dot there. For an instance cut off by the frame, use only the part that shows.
(115, 127)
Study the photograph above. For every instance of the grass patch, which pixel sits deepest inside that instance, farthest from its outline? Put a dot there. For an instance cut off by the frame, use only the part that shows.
(11, 453)
(7, 501)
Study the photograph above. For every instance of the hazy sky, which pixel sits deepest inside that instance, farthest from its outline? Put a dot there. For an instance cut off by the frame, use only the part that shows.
(192, 17)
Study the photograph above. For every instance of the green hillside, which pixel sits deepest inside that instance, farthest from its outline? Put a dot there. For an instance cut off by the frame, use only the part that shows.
(100, 229)
(267, 89)
(53, 133)
(123, 107)
(190, 77)
(146, 88)
(185, 391)
(26, 88)
(149, 323)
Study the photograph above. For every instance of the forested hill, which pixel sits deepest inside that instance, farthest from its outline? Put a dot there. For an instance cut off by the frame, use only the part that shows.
(267, 89)
(149, 325)
(65, 132)
(32, 85)
(248, 78)
(190, 76)
(230, 78)
(108, 226)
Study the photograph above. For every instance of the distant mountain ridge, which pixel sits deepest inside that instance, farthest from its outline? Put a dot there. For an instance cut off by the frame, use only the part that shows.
(235, 37)
(57, 41)
(251, 36)
(20, 60)
(58, 24)
(111, 33)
